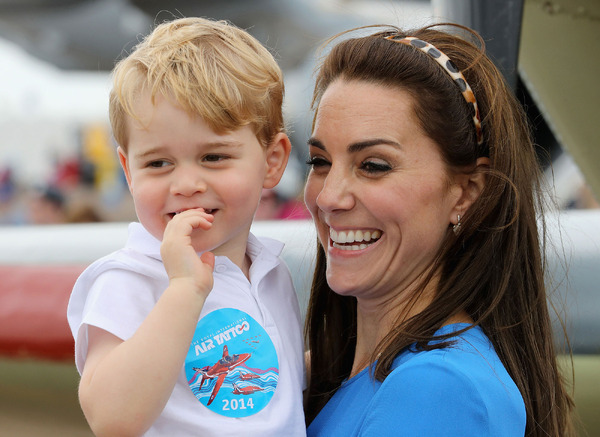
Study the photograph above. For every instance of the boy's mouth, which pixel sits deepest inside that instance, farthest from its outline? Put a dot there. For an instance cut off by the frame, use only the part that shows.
(206, 210)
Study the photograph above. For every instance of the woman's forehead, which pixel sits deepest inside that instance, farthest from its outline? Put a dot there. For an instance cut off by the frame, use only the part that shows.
(362, 109)
(364, 98)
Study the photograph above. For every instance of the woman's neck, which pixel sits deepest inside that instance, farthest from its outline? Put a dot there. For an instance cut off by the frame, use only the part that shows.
(371, 329)
(375, 321)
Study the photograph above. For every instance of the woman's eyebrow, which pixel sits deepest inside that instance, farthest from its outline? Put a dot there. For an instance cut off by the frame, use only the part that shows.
(357, 147)
(312, 141)
(361, 145)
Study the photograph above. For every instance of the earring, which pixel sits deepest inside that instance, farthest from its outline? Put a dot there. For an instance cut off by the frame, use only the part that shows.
(456, 227)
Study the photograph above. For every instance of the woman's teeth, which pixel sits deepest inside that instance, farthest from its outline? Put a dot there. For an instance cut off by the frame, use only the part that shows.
(353, 240)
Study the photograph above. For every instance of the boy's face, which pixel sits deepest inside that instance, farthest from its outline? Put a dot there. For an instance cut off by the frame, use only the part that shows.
(175, 162)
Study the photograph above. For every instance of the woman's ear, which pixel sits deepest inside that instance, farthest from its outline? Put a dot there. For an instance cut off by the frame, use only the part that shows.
(471, 185)
(277, 155)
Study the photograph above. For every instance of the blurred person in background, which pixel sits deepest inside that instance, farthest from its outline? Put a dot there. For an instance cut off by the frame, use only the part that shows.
(284, 201)
(47, 206)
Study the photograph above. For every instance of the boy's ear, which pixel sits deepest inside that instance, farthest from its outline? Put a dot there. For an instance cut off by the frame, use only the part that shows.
(124, 163)
(471, 185)
(277, 155)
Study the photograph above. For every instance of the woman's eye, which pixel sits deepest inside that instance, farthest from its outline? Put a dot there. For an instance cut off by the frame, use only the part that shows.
(317, 161)
(375, 167)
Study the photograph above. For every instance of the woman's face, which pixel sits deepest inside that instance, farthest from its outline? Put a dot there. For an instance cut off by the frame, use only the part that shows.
(378, 190)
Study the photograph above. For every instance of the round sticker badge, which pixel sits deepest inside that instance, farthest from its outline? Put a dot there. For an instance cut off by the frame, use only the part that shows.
(232, 365)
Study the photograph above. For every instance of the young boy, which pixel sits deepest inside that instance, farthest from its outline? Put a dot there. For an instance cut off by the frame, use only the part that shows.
(161, 348)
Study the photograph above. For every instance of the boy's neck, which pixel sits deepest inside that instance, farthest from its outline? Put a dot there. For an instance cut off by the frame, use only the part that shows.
(240, 259)
(246, 266)
(236, 249)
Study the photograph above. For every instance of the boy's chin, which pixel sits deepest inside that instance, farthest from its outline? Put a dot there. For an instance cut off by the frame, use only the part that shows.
(201, 247)
(202, 244)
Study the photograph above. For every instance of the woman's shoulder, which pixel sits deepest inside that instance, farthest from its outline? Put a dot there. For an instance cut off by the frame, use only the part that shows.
(463, 386)
(466, 363)
(469, 360)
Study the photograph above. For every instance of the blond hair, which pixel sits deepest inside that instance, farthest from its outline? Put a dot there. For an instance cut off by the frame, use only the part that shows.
(211, 69)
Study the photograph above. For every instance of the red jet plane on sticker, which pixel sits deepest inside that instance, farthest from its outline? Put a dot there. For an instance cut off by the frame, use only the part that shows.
(248, 376)
(220, 370)
(237, 390)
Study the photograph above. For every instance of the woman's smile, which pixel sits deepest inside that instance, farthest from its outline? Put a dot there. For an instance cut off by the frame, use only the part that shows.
(353, 240)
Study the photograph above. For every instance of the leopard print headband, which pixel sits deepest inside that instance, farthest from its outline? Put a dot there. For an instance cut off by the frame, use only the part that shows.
(451, 69)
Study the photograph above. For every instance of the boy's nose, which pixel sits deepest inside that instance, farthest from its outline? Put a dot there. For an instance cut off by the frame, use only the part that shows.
(187, 182)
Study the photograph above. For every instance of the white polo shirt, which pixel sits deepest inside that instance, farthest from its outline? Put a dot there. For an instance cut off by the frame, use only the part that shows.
(244, 373)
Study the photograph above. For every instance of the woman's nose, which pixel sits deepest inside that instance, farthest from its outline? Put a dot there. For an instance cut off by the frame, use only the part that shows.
(187, 181)
(336, 192)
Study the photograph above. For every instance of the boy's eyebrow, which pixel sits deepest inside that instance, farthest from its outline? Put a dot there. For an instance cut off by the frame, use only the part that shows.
(223, 143)
(357, 147)
(210, 145)
(149, 152)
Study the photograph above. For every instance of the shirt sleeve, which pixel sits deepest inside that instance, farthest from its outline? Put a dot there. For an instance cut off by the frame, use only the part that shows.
(116, 300)
(427, 399)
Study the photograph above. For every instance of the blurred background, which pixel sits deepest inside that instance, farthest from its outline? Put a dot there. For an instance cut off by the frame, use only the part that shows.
(58, 162)
(57, 157)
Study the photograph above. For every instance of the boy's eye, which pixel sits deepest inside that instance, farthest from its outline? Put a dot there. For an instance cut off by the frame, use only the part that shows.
(214, 158)
(157, 164)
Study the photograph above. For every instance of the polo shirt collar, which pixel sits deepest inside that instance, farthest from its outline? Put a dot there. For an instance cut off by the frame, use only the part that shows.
(142, 241)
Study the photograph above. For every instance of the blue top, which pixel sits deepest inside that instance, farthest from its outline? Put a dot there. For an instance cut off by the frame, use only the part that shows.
(460, 390)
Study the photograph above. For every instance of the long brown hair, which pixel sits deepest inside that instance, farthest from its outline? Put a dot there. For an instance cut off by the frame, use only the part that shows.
(494, 269)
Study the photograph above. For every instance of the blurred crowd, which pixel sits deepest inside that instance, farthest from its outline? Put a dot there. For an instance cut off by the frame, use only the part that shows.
(84, 189)
(90, 187)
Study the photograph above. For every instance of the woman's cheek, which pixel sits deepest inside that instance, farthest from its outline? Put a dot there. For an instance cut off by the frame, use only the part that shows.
(311, 192)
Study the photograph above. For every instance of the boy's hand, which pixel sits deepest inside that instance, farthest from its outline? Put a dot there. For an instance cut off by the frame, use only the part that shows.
(181, 261)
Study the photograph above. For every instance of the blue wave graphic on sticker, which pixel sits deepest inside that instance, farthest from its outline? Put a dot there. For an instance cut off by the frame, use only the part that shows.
(232, 366)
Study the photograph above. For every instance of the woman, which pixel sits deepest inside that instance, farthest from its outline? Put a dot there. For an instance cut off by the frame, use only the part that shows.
(428, 312)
